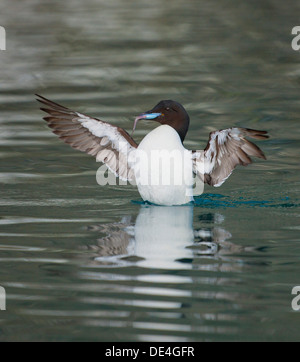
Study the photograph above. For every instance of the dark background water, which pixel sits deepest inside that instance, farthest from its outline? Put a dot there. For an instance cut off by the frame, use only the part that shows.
(81, 262)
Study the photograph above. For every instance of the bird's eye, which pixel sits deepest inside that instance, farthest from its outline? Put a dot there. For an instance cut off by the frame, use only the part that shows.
(168, 109)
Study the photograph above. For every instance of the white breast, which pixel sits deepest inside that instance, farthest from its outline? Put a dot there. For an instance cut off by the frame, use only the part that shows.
(164, 168)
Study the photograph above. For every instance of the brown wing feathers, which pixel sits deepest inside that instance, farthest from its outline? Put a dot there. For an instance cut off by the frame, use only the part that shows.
(228, 148)
(79, 130)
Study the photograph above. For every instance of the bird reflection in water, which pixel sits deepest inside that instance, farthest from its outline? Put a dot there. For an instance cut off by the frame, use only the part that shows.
(162, 237)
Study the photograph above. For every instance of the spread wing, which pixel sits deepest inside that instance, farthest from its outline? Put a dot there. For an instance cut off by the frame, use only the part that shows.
(110, 144)
(224, 151)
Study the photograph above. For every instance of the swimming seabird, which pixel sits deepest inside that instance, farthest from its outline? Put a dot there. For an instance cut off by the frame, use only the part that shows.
(144, 163)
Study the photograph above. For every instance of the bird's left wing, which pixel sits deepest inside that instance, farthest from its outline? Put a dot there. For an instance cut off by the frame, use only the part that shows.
(110, 144)
(225, 150)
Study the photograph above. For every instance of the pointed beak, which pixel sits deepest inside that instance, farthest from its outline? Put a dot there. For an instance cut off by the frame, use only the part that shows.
(144, 116)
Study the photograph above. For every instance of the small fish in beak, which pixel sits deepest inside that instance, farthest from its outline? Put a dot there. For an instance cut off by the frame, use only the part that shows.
(144, 116)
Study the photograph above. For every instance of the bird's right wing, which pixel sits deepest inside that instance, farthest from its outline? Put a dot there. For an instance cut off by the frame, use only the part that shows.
(110, 144)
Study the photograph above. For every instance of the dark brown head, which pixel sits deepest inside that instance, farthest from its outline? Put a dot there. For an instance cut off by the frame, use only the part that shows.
(168, 112)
